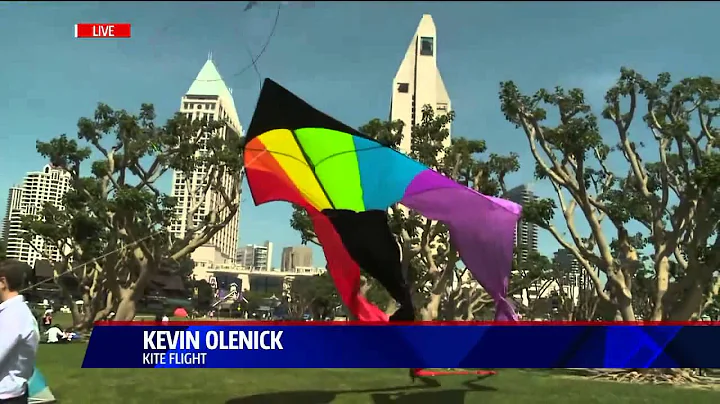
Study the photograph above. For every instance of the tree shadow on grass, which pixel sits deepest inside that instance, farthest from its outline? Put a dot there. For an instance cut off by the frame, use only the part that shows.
(417, 394)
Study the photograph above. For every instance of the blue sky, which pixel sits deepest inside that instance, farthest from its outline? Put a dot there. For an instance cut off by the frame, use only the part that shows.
(340, 56)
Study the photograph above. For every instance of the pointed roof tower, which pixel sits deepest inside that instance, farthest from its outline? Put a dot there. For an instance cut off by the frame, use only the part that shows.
(210, 82)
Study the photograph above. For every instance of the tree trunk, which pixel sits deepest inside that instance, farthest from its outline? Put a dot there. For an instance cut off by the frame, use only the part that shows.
(127, 307)
(621, 294)
(77, 316)
(690, 305)
(391, 307)
(662, 271)
(432, 308)
(93, 311)
(625, 309)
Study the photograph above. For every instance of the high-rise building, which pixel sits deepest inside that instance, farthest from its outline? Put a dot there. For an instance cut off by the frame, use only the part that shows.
(296, 257)
(13, 204)
(526, 235)
(571, 269)
(418, 82)
(37, 189)
(208, 97)
(566, 260)
(255, 257)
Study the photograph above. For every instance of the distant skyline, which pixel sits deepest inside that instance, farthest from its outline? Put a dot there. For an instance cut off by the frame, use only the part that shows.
(331, 56)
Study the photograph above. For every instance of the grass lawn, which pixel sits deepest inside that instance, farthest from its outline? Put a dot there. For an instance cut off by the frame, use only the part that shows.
(65, 319)
(71, 384)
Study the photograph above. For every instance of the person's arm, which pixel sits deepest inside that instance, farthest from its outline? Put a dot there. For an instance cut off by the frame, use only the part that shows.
(8, 340)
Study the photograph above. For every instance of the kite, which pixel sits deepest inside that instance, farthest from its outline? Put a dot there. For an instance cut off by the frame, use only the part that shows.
(38, 390)
(347, 181)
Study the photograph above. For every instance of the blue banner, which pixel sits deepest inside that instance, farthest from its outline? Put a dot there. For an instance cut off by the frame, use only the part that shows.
(333, 345)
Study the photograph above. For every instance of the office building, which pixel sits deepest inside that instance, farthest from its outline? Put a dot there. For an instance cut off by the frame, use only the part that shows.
(37, 189)
(208, 97)
(255, 257)
(13, 204)
(566, 261)
(575, 277)
(418, 82)
(526, 234)
(296, 257)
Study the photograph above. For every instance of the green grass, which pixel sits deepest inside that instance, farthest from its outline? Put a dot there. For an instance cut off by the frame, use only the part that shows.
(71, 384)
(65, 319)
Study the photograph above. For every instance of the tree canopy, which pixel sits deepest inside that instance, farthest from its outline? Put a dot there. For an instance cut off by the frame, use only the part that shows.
(661, 180)
(114, 228)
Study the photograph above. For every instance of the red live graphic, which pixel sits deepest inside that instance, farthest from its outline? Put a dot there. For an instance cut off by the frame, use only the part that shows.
(106, 30)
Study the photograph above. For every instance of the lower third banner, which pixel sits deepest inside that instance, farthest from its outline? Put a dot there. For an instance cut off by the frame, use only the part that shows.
(277, 345)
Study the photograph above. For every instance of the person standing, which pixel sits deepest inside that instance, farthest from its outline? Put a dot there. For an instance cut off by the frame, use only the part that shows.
(19, 335)
(47, 319)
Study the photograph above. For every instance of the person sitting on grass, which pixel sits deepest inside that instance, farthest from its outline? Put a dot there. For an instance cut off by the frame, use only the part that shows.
(55, 335)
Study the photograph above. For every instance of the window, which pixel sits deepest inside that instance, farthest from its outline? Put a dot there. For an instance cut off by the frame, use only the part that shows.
(403, 87)
(442, 107)
(212, 117)
(199, 106)
(187, 105)
(426, 45)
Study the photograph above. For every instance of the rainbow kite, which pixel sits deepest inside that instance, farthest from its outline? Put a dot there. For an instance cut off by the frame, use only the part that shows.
(347, 181)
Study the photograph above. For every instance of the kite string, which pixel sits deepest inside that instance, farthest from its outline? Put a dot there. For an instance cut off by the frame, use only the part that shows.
(71, 269)
(253, 63)
(151, 235)
(255, 59)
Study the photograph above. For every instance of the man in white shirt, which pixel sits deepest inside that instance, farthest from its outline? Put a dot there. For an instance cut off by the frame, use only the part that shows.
(54, 334)
(19, 335)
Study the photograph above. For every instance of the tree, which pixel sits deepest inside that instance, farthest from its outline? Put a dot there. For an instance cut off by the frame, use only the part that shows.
(253, 301)
(673, 198)
(430, 262)
(203, 295)
(712, 312)
(114, 225)
(533, 278)
(173, 278)
(315, 295)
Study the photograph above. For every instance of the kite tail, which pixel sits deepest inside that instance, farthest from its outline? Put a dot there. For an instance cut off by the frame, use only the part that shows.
(344, 270)
(482, 228)
(366, 311)
(504, 310)
(371, 244)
